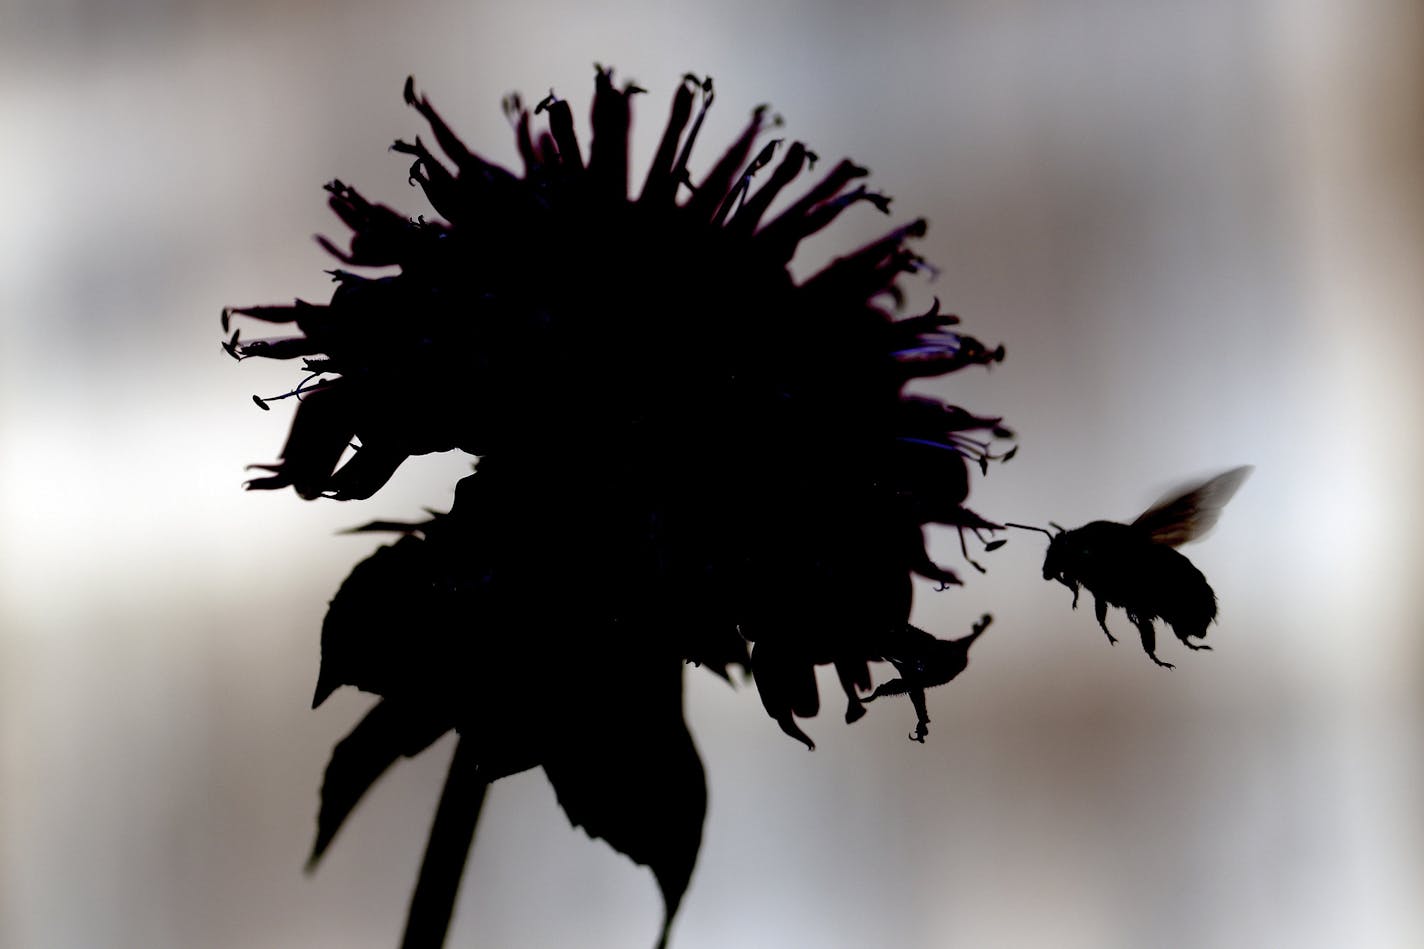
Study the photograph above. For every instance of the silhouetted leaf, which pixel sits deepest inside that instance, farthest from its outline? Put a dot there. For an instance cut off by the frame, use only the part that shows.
(389, 731)
(630, 774)
(382, 632)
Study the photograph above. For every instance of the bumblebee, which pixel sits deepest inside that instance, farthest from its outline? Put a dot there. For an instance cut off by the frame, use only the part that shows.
(1138, 568)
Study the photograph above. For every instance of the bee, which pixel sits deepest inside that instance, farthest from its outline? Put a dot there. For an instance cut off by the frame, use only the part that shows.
(1137, 567)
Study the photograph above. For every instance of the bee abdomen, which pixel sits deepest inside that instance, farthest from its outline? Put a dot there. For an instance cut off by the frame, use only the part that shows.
(1185, 600)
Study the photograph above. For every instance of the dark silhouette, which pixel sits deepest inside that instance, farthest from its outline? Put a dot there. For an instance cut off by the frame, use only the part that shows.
(681, 452)
(1134, 566)
(924, 662)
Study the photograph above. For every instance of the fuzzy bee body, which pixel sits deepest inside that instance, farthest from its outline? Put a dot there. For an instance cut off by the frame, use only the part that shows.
(1137, 567)
(1122, 566)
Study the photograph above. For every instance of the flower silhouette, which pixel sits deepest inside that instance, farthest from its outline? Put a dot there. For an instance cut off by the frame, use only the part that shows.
(684, 455)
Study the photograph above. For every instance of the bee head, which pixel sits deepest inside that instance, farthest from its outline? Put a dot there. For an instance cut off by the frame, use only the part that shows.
(1056, 564)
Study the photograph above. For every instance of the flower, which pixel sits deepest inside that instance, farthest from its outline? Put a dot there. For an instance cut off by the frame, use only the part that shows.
(681, 452)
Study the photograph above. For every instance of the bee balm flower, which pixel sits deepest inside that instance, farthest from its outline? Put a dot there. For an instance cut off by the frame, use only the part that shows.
(684, 455)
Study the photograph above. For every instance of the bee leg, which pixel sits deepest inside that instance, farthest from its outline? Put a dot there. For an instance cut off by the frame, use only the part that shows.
(1149, 641)
(1100, 607)
(1195, 630)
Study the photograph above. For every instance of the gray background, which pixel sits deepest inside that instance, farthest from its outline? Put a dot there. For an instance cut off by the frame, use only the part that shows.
(1196, 226)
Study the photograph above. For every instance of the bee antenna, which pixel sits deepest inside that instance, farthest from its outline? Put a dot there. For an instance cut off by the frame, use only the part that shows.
(1057, 527)
(1026, 527)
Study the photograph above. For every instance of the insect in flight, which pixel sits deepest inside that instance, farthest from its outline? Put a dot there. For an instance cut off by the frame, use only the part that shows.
(1136, 566)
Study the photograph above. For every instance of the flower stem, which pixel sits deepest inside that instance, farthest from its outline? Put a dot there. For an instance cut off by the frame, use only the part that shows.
(453, 831)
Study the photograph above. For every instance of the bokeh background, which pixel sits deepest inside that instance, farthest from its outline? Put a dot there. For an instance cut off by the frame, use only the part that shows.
(1197, 226)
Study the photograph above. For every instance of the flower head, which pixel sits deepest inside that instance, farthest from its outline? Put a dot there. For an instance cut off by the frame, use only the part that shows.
(682, 453)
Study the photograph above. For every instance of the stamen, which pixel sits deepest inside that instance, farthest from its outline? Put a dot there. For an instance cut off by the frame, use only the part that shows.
(281, 347)
(939, 353)
(738, 196)
(713, 190)
(303, 389)
(749, 215)
(964, 549)
(679, 168)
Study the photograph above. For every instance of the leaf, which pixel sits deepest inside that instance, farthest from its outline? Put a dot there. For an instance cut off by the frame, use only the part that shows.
(630, 775)
(386, 630)
(391, 729)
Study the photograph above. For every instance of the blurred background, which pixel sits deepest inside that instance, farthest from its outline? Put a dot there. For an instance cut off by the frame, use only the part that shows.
(1197, 228)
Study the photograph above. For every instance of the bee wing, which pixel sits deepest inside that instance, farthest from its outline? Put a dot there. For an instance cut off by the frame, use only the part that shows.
(1179, 518)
